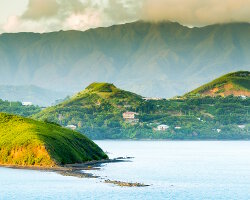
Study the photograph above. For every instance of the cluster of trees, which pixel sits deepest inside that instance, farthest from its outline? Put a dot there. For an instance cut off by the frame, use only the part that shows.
(18, 109)
(199, 118)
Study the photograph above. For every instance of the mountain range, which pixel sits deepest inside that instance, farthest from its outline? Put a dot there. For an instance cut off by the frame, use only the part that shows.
(152, 59)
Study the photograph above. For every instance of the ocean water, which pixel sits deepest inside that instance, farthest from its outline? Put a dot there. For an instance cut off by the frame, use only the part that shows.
(173, 169)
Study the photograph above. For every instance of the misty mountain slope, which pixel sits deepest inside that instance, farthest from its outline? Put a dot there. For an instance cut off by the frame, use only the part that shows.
(152, 59)
(30, 93)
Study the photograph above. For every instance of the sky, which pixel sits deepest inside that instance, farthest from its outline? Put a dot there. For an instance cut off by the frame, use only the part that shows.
(54, 15)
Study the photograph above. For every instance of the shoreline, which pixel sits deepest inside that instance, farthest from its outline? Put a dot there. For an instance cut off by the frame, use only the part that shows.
(89, 165)
(177, 140)
(76, 170)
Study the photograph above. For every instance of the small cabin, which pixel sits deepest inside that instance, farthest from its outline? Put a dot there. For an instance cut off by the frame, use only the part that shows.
(243, 97)
(242, 126)
(27, 103)
(72, 127)
(162, 127)
(218, 130)
(129, 115)
(177, 127)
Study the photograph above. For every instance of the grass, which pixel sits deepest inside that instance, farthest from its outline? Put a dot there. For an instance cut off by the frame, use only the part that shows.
(27, 142)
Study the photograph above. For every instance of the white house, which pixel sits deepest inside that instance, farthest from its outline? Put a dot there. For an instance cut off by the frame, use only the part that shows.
(27, 103)
(162, 127)
(152, 98)
(177, 127)
(243, 97)
(218, 130)
(72, 127)
(242, 126)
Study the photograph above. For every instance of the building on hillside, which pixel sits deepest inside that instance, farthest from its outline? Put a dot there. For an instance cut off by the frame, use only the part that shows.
(177, 127)
(72, 127)
(242, 126)
(218, 130)
(127, 106)
(152, 98)
(243, 97)
(130, 117)
(26, 103)
(162, 127)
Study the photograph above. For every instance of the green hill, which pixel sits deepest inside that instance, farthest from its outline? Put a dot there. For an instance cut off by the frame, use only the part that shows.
(100, 104)
(98, 113)
(152, 59)
(25, 142)
(236, 83)
(97, 98)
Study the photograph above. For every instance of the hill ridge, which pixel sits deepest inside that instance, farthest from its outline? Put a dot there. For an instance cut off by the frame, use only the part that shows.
(234, 83)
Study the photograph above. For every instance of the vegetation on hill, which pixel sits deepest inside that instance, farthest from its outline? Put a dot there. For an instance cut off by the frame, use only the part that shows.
(236, 83)
(98, 112)
(18, 109)
(26, 142)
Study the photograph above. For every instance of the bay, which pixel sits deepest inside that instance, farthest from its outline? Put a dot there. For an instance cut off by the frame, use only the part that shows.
(173, 169)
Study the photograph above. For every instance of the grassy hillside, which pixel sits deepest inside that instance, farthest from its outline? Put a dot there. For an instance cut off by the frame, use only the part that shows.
(97, 98)
(152, 59)
(237, 84)
(98, 112)
(100, 104)
(25, 142)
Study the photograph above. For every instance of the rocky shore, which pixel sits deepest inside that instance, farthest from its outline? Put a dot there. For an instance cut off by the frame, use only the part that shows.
(79, 170)
(126, 184)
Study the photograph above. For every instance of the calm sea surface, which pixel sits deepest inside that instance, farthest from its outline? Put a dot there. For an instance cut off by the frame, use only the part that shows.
(175, 170)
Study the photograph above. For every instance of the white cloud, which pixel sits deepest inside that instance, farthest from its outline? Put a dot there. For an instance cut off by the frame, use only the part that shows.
(53, 15)
(38, 9)
(197, 12)
(89, 19)
(12, 25)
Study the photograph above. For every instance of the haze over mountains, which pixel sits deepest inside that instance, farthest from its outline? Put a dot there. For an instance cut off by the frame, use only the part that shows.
(152, 59)
(30, 93)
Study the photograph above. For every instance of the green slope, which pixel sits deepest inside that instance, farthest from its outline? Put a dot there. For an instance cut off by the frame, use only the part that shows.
(25, 142)
(97, 98)
(100, 104)
(236, 83)
(98, 113)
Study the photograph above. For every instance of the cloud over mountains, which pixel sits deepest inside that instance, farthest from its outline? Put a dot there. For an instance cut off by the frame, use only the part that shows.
(52, 15)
